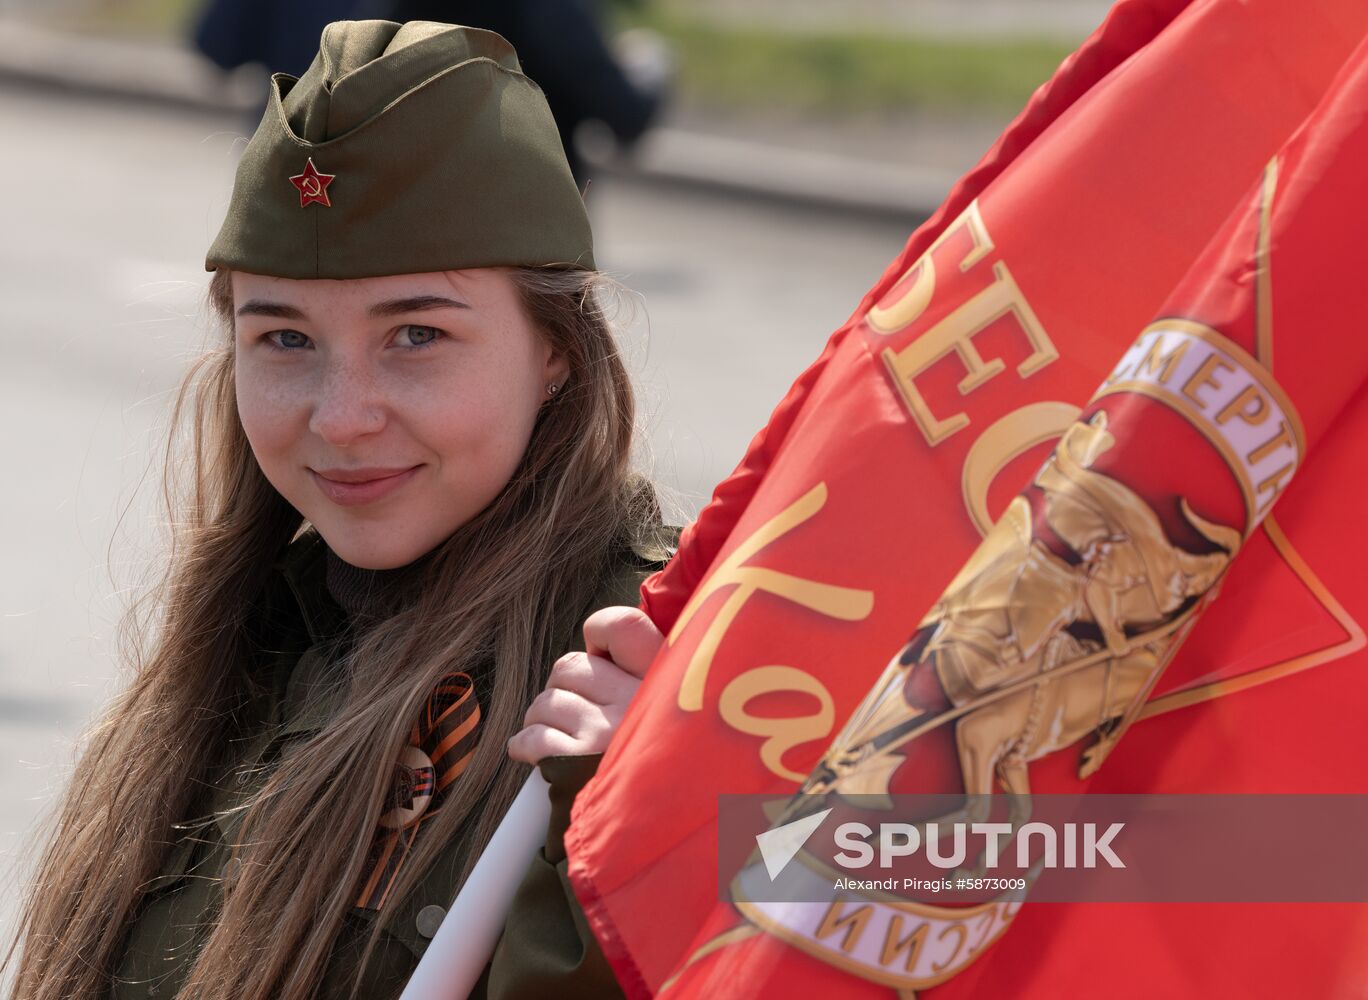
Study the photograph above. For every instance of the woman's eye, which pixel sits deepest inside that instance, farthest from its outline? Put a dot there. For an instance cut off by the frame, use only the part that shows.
(417, 336)
(287, 339)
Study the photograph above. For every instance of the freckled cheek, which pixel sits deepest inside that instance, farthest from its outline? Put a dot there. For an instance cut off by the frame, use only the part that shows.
(274, 415)
(480, 432)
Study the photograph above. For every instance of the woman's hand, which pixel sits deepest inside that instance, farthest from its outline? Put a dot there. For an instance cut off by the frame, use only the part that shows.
(588, 692)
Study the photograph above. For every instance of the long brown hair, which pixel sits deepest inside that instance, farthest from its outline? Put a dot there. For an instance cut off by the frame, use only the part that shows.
(500, 599)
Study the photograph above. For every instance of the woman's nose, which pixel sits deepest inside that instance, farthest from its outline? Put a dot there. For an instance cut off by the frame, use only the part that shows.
(349, 405)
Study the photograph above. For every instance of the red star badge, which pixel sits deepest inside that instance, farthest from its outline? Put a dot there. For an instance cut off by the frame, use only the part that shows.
(313, 186)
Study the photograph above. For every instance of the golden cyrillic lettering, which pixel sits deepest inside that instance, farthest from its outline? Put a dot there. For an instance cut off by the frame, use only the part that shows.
(1273, 484)
(1204, 376)
(852, 923)
(1164, 364)
(963, 935)
(1005, 439)
(955, 334)
(781, 732)
(1250, 406)
(890, 317)
(912, 944)
(1279, 440)
(843, 603)
(985, 930)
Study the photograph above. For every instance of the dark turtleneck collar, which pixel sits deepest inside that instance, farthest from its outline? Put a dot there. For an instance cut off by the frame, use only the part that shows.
(368, 593)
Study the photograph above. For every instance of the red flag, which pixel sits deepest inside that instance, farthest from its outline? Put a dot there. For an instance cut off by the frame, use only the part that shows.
(926, 414)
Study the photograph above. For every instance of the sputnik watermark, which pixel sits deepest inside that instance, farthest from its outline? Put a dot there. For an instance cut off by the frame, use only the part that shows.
(1068, 847)
(1059, 848)
(1036, 844)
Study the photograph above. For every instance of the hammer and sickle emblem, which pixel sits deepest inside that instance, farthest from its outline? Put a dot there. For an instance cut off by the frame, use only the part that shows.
(312, 185)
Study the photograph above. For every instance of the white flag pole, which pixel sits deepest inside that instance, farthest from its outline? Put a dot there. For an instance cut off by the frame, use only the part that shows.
(461, 948)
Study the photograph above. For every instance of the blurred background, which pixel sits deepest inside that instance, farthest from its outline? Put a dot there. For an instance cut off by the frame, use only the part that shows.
(754, 166)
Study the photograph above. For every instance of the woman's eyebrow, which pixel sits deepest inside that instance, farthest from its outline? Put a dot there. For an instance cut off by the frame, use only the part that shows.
(389, 307)
(414, 303)
(257, 307)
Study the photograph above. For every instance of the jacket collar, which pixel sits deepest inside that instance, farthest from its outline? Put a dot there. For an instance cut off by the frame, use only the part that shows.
(302, 568)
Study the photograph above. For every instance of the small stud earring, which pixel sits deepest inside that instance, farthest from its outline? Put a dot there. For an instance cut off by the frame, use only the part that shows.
(552, 388)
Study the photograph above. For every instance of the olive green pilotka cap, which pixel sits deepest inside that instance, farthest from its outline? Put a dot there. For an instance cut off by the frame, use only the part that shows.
(403, 149)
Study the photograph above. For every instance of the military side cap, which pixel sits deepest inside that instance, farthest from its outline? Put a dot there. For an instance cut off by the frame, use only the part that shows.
(403, 149)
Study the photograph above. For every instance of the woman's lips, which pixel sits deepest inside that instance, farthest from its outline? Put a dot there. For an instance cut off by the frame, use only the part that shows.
(352, 493)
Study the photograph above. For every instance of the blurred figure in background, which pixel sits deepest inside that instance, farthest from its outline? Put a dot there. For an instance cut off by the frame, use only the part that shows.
(562, 47)
(281, 35)
(559, 42)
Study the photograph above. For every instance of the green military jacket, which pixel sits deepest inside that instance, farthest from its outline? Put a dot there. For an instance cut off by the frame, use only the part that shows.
(547, 948)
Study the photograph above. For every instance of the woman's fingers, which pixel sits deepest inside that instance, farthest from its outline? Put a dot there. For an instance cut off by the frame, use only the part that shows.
(530, 745)
(562, 722)
(588, 693)
(595, 677)
(569, 712)
(625, 636)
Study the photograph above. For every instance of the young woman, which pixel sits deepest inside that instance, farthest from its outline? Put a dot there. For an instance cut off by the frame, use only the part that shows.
(408, 487)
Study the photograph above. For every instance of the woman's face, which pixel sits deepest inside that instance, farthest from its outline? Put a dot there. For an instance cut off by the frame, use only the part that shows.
(388, 411)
